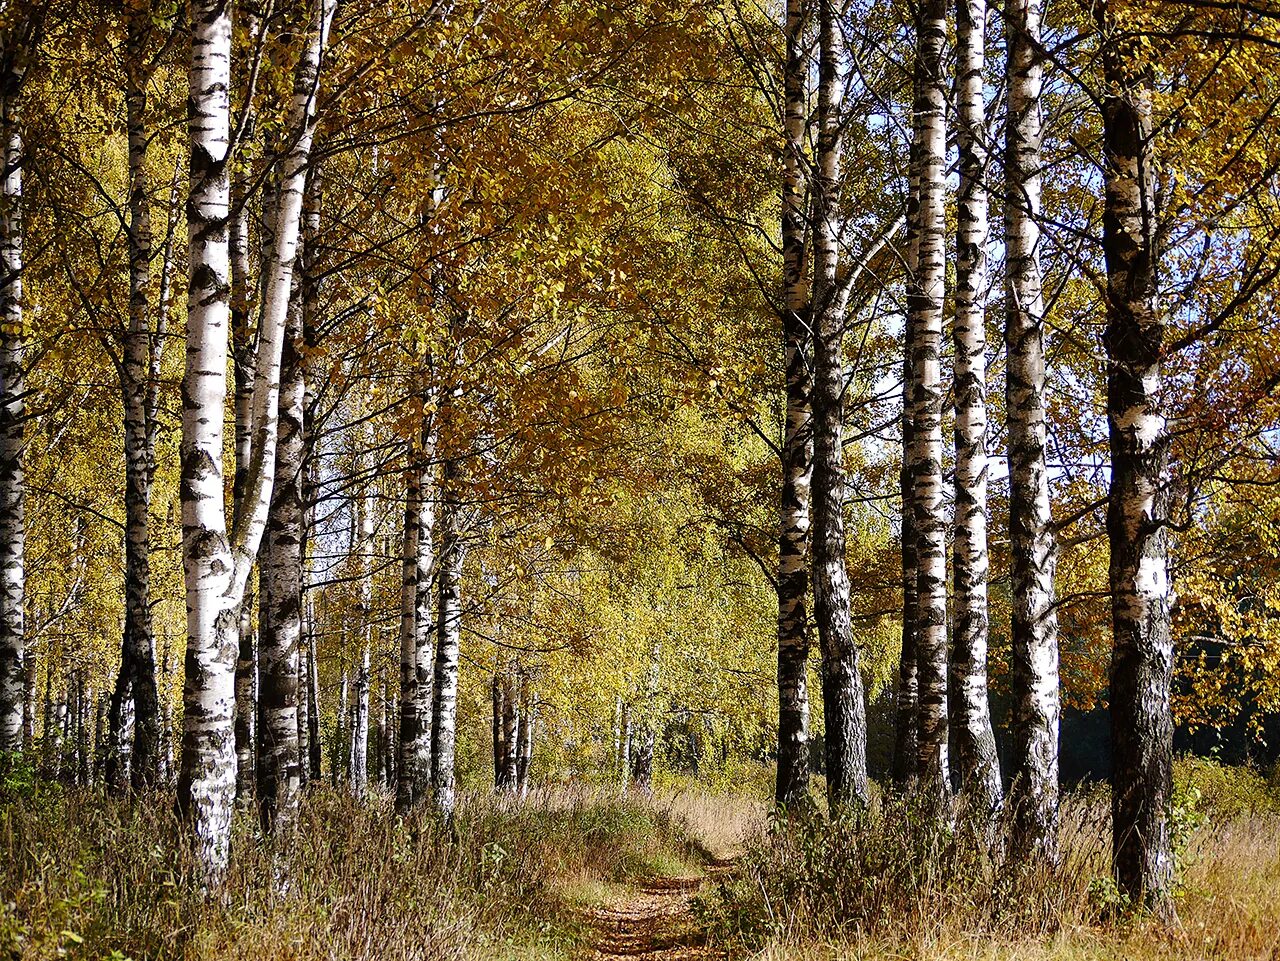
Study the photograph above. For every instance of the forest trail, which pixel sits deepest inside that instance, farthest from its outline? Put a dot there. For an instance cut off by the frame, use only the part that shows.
(653, 920)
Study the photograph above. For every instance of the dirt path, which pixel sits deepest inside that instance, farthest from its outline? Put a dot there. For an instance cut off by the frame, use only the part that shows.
(653, 921)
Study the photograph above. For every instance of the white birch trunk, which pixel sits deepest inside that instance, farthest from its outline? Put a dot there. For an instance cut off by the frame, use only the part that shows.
(1034, 623)
(217, 566)
(792, 785)
(360, 728)
(278, 757)
(449, 626)
(933, 770)
(976, 758)
(13, 388)
(843, 699)
(417, 654)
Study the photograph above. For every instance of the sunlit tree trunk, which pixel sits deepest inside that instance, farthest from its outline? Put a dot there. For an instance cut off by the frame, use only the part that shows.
(1138, 503)
(929, 119)
(792, 786)
(1034, 623)
(449, 628)
(278, 757)
(13, 389)
(510, 735)
(843, 700)
(242, 355)
(217, 563)
(524, 752)
(360, 726)
(417, 653)
(974, 737)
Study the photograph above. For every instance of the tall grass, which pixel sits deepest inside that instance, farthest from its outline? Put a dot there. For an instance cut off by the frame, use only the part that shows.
(891, 883)
(83, 876)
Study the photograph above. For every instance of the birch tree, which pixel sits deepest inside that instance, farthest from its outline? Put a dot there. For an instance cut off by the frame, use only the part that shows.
(217, 560)
(17, 47)
(974, 737)
(444, 721)
(1034, 623)
(792, 785)
(843, 699)
(930, 623)
(137, 676)
(1138, 499)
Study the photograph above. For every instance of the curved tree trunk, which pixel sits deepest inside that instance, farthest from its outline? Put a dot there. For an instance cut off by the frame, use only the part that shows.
(1033, 796)
(278, 757)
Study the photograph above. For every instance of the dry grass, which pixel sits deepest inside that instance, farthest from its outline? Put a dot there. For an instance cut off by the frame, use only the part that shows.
(82, 876)
(892, 893)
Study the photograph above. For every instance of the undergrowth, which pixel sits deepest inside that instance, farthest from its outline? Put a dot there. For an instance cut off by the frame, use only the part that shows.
(892, 882)
(83, 876)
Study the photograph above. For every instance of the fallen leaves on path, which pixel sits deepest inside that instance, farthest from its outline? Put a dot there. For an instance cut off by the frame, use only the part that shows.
(653, 921)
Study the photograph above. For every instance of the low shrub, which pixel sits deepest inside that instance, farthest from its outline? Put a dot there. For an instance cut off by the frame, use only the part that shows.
(1225, 791)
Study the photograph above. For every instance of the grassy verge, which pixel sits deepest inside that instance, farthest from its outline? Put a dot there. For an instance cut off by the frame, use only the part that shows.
(83, 876)
(892, 885)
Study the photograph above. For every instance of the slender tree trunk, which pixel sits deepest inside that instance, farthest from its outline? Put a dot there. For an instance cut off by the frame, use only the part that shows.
(29, 702)
(792, 786)
(279, 761)
(510, 735)
(449, 625)
(1138, 503)
(313, 710)
(974, 737)
(360, 728)
(416, 650)
(525, 750)
(495, 719)
(243, 349)
(929, 120)
(843, 700)
(137, 655)
(1034, 623)
(304, 704)
(13, 390)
